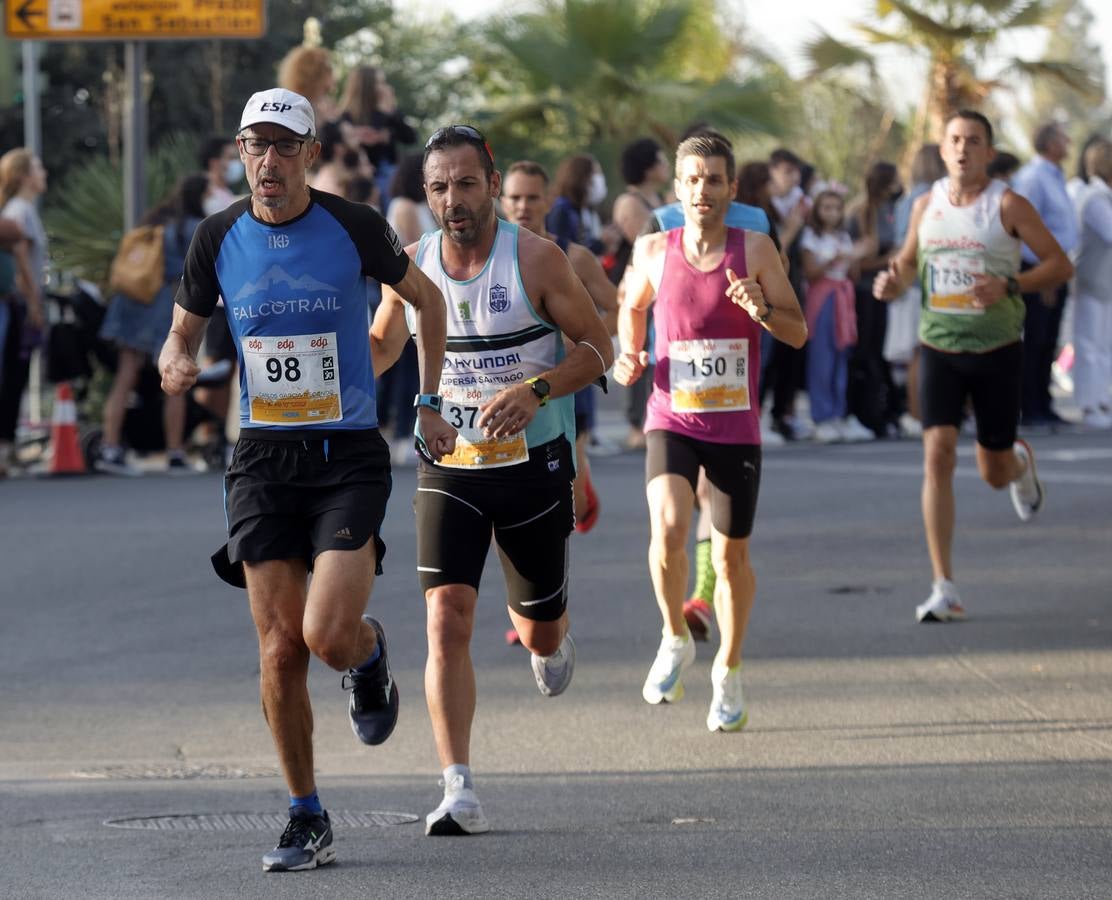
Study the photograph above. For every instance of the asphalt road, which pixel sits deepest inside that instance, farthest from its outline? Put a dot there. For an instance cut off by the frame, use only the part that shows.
(882, 759)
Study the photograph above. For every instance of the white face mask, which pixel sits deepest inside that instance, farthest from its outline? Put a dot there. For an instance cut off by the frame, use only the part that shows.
(596, 193)
(233, 172)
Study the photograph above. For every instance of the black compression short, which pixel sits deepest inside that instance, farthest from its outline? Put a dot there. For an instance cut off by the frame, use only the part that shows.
(530, 520)
(733, 470)
(993, 381)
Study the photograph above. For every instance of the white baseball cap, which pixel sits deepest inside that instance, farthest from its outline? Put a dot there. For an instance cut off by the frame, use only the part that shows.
(278, 106)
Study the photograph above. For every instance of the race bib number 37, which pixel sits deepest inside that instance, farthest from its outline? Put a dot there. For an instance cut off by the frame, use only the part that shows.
(709, 376)
(952, 276)
(474, 450)
(293, 380)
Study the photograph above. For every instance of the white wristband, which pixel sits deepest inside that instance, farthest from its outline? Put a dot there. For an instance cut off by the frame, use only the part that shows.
(599, 355)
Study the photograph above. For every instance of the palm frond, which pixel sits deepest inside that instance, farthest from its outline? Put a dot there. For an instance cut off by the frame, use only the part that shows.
(827, 53)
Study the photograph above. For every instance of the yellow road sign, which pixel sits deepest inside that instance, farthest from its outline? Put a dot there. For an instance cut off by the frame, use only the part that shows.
(128, 20)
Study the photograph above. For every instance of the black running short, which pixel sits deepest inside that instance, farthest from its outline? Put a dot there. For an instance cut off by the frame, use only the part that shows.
(530, 519)
(993, 381)
(296, 499)
(733, 470)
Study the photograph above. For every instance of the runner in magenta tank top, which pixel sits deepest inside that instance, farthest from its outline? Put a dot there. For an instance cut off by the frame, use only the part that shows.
(716, 289)
(709, 332)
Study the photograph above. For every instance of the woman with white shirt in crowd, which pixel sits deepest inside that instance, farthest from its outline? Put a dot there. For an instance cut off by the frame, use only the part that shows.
(829, 253)
(1092, 317)
(22, 182)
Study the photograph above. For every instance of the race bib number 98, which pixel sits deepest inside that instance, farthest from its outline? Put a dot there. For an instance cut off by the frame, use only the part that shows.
(293, 380)
(709, 375)
(952, 276)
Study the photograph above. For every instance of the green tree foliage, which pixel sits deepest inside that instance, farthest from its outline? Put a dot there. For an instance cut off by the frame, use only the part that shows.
(956, 39)
(1082, 115)
(589, 75)
(85, 218)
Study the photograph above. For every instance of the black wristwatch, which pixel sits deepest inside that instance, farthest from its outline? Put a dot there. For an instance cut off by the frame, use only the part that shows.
(1012, 286)
(767, 313)
(432, 401)
(540, 389)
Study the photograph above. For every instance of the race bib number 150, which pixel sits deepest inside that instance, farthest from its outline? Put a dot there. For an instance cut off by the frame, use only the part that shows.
(709, 376)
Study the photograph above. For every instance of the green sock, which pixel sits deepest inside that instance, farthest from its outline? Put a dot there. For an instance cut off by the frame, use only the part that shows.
(704, 572)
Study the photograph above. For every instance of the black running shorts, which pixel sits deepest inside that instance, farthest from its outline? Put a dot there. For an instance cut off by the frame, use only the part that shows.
(296, 499)
(530, 520)
(993, 381)
(733, 470)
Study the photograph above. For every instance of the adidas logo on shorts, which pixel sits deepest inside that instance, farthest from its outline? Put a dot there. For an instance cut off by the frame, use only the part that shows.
(344, 532)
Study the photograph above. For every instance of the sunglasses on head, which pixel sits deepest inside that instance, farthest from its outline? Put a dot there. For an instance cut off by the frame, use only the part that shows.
(463, 131)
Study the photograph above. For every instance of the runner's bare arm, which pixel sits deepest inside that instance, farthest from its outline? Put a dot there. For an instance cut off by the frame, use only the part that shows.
(389, 330)
(593, 275)
(561, 299)
(897, 278)
(418, 291)
(177, 362)
(766, 294)
(637, 294)
(1021, 220)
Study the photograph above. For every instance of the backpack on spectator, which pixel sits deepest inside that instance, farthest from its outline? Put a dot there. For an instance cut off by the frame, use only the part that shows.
(138, 270)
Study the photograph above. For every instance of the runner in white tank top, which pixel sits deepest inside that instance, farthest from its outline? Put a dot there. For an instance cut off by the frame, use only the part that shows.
(964, 239)
(512, 297)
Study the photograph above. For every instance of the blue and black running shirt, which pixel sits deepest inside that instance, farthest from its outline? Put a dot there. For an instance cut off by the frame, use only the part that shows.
(296, 300)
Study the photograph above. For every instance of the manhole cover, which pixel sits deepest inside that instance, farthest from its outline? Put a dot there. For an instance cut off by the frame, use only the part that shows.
(255, 821)
(175, 772)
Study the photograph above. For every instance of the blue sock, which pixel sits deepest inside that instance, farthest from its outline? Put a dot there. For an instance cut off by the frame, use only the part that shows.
(368, 664)
(308, 805)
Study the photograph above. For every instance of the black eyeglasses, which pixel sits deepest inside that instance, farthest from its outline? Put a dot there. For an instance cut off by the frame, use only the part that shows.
(463, 131)
(260, 146)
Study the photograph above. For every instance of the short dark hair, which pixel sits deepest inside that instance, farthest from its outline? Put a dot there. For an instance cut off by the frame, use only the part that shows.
(782, 156)
(408, 179)
(1002, 165)
(457, 136)
(706, 145)
(211, 149)
(1044, 134)
(637, 158)
(971, 115)
(528, 167)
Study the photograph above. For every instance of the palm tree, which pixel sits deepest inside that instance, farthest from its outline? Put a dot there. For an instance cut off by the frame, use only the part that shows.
(576, 74)
(955, 37)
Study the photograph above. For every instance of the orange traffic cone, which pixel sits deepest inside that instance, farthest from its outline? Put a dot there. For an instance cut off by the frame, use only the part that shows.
(66, 457)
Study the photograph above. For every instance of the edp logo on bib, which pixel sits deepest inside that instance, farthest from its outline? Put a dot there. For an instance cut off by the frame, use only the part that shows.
(499, 300)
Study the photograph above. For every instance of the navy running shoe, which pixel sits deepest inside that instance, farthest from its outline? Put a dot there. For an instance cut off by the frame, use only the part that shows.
(305, 844)
(374, 695)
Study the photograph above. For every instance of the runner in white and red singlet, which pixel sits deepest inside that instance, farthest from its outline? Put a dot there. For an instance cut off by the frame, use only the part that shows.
(715, 289)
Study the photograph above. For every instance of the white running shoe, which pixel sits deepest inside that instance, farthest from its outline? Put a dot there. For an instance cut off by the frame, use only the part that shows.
(910, 427)
(943, 605)
(727, 706)
(1027, 491)
(553, 673)
(828, 432)
(459, 813)
(854, 432)
(770, 438)
(1096, 420)
(663, 684)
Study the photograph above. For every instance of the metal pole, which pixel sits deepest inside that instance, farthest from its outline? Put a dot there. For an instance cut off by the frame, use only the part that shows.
(135, 134)
(32, 118)
(32, 140)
